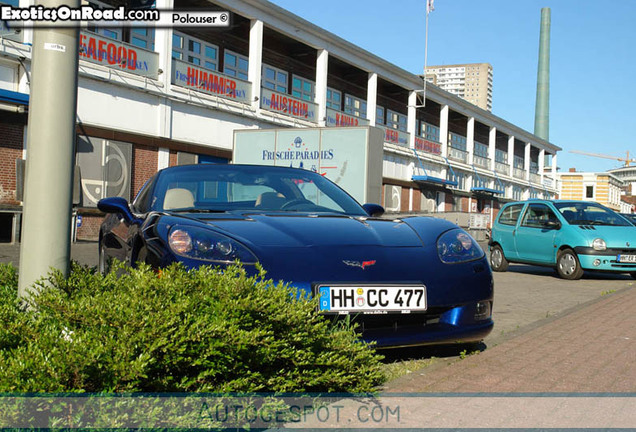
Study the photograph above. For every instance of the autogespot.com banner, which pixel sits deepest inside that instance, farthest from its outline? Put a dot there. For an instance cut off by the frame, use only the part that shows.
(392, 411)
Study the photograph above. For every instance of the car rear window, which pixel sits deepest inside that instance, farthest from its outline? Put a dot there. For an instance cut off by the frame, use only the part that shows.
(510, 214)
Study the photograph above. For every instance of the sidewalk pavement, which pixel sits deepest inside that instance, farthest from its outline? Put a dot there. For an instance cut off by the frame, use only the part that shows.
(592, 349)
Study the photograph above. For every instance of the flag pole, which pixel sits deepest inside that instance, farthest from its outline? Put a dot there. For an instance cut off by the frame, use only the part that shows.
(428, 10)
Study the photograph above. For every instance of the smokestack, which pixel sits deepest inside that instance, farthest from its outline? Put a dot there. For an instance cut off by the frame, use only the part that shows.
(542, 108)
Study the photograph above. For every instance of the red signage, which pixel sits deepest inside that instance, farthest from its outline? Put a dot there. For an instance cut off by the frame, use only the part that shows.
(112, 53)
(427, 146)
(210, 82)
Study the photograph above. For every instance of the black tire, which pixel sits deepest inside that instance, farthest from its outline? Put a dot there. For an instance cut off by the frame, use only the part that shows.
(140, 256)
(568, 265)
(103, 264)
(633, 275)
(498, 261)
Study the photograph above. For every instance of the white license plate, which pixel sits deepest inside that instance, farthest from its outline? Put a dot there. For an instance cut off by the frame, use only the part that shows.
(372, 299)
(626, 258)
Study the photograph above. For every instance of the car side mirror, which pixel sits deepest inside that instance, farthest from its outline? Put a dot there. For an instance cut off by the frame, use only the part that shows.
(552, 224)
(373, 210)
(116, 205)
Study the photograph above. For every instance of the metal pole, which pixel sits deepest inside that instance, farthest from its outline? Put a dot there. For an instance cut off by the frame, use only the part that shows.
(425, 58)
(542, 108)
(46, 229)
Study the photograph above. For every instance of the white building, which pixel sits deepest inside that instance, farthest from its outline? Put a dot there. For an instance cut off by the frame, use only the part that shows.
(176, 95)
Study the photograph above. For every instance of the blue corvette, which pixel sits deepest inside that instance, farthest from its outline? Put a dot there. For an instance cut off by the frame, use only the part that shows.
(409, 281)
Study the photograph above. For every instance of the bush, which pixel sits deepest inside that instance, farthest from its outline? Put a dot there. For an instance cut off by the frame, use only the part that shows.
(175, 331)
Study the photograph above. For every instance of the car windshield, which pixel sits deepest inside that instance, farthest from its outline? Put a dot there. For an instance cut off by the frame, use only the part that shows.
(630, 217)
(221, 188)
(581, 213)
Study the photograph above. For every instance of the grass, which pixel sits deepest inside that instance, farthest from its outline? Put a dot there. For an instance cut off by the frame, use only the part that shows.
(400, 368)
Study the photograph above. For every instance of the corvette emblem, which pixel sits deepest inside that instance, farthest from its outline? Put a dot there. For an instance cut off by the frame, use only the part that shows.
(361, 264)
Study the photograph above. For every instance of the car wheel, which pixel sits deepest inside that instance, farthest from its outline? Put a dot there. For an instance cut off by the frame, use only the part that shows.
(103, 266)
(633, 275)
(568, 265)
(498, 261)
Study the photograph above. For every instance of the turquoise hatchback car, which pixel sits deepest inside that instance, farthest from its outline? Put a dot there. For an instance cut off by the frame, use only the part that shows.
(571, 236)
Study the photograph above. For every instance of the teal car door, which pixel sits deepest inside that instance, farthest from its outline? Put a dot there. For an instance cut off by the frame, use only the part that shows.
(534, 237)
(506, 229)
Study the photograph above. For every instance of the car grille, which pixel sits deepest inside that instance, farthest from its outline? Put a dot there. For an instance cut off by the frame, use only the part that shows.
(397, 321)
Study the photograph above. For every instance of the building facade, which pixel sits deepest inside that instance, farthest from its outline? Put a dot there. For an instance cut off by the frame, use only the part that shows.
(472, 82)
(604, 188)
(152, 98)
(627, 175)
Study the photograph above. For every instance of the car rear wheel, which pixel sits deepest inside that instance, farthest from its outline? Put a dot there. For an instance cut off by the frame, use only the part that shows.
(568, 265)
(498, 261)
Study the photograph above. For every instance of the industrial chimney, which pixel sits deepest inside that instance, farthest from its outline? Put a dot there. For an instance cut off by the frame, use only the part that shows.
(542, 108)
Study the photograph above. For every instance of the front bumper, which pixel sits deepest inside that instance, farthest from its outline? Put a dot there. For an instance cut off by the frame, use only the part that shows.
(439, 325)
(606, 260)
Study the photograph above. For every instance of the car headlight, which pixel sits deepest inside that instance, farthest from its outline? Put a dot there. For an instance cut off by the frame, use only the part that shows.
(207, 245)
(456, 246)
(599, 244)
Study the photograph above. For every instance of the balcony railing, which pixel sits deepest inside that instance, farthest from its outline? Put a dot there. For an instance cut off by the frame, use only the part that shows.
(457, 154)
(519, 173)
(502, 168)
(481, 161)
(535, 178)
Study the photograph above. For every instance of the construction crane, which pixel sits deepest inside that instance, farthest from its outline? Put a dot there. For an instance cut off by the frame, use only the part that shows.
(626, 159)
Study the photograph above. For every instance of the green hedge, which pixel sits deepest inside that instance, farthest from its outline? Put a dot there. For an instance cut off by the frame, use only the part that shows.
(175, 331)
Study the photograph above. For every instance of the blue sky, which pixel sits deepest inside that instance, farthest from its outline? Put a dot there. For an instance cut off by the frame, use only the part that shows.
(592, 66)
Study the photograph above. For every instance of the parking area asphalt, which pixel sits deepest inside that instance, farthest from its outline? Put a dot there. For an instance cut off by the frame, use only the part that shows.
(551, 335)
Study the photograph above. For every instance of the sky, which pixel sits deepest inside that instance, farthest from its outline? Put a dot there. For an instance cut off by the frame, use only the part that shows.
(592, 59)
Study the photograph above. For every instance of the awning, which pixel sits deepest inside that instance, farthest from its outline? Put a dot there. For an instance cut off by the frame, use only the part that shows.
(486, 190)
(14, 97)
(430, 180)
(434, 180)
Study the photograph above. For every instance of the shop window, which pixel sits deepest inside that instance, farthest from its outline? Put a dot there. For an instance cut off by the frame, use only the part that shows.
(355, 106)
(429, 132)
(274, 79)
(303, 88)
(195, 51)
(481, 150)
(396, 120)
(334, 99)
(501, 156)
(457, 141)
(379, 116)
(142, 37)
(235, 65)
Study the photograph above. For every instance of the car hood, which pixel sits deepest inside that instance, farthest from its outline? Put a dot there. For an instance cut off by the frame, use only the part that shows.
(276, 230)
(614, 236)
(307, 250)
